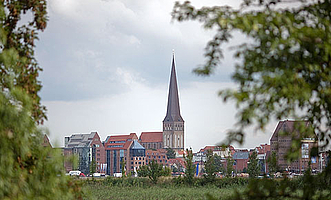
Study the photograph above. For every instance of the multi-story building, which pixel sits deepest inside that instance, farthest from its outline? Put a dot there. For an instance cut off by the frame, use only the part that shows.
(281, 142)
(240, 160)
(173, 123)
(159, 155)
(151, 140)
(124, 149)
(88, 148)
(262, 152)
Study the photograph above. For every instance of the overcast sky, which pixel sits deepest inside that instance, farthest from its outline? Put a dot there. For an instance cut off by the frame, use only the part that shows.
(107, 66)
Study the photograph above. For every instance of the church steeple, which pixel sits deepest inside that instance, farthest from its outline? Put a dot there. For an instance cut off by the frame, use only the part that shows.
(173, 123)
(173, 109)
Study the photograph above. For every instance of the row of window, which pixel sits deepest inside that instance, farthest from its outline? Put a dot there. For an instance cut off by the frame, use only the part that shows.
(176, 128)
(114, 146)
(138, 163)
(139, 158)
(155, 156)
(160, 161)
(122, 141)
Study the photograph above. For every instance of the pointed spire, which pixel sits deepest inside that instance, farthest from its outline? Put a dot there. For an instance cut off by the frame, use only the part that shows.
(173, 110)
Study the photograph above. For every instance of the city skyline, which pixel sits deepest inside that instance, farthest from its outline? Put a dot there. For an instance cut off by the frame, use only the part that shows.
(107, 66)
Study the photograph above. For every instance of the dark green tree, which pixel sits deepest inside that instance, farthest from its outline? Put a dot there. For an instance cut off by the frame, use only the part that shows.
(229, 166)
(170, 153)
(210, 167)
(189, 167)
(253, 167)
(27, 170)
(272, 163)
(123, 167)
(153, 171)
(93, 166)
(143, 171)
(218, 163)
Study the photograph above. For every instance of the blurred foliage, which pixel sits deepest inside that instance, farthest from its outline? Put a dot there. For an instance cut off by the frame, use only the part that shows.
(253, 167)
(283, 71)
(189, 167)
(27, 169)
(284, 67)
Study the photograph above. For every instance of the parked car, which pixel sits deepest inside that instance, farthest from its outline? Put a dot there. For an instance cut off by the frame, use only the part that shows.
(96, 175)
(75, 173)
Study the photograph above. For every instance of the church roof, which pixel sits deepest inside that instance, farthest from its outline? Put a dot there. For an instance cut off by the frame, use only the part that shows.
(173, 110)
(151, 137)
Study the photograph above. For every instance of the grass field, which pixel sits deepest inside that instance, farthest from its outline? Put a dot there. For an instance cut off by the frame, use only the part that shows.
(155, 192)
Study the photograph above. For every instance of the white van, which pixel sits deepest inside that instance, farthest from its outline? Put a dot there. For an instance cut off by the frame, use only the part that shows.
(75, 173)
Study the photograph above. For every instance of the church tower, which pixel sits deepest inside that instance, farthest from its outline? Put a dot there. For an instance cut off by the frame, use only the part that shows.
(173, 123)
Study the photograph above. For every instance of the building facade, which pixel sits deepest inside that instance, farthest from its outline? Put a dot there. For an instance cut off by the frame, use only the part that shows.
(281, 142)
(159, 155)
(173, 123)
(87, 148)
(151, 140)
(124, 149)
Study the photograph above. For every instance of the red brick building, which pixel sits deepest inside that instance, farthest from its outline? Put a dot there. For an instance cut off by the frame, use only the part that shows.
(123, 149)
(158, 155)
(151, 140)
(281, 143)
(240, 159)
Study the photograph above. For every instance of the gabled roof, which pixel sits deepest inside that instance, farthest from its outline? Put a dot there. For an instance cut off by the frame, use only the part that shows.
(240, 155)
(151, 137)
(80, 140)
(263, 148)
(286, 126)
(173, 110)
(120, 141)
(46, 142)
(156, 151)
(131, 136)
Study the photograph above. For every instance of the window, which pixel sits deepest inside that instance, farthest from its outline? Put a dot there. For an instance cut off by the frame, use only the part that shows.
(98, 154)
(114, 146)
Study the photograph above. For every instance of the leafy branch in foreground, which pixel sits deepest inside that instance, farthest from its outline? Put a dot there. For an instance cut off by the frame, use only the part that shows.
(284, 71)
(285, 65)
(27, 170)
